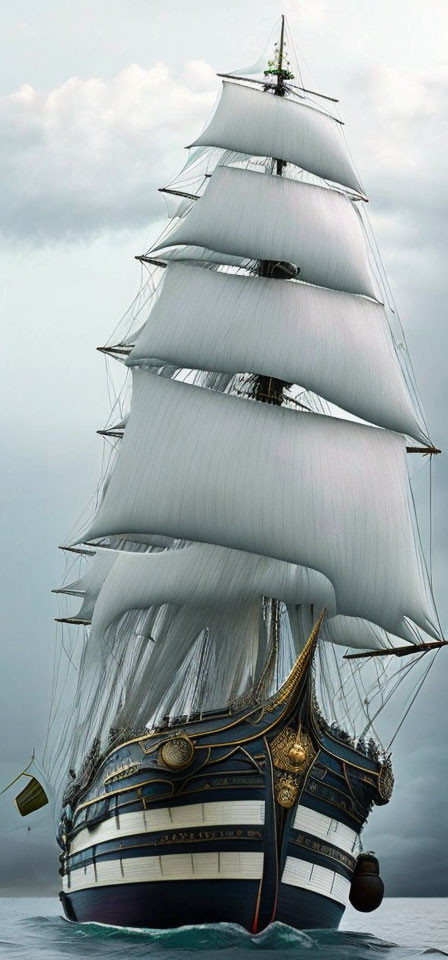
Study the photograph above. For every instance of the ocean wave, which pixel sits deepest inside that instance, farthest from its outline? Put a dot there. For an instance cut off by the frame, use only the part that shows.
(54, 938)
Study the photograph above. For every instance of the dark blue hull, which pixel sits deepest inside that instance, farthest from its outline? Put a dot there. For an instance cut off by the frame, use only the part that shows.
(155, 906)
(247, 819)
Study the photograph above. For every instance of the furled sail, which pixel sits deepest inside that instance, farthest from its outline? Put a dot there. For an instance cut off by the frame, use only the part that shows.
(258, 124)
(336, 344)
(264, 217)
(202, 254)
(309, 489)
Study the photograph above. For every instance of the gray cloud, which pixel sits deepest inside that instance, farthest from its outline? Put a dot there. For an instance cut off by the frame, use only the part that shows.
(89, 156)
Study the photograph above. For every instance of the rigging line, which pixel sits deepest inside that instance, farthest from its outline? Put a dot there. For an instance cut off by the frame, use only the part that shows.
(423, 557)
(293, 48)
(430, 519)
(390, 687)
(145, 281)
(58, 704)
(420, 464)
(370, 723)
(54, 686)
(393, 306)
(405, 670)
(351, 676)
(343, 694)
(380, 266)
(92, 505)
(413, 699)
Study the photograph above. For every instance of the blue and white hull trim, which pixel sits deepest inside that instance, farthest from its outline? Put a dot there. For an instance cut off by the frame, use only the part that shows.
(247, 818)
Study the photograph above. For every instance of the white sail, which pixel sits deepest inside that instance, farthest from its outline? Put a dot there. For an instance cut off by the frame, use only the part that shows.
(218, 579)
(336, 344)
(363, 634)
(235, 635)
(263, 217)
(89, 585)
(312, 490)
(260, 124)
(205, 575)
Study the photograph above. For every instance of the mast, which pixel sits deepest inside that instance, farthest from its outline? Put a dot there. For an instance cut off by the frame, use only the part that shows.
(271, 390)
(280, 57)
(280, 85)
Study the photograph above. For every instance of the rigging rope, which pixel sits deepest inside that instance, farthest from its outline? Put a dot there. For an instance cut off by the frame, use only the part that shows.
(430, 518)
(416, 693)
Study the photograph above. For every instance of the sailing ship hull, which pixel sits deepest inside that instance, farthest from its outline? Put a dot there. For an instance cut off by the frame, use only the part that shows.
(262, 824)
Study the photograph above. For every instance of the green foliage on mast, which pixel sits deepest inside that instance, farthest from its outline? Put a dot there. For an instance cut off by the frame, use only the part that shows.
(279, 65)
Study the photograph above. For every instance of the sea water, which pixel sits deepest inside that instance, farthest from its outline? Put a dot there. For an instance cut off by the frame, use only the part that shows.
(33, 929)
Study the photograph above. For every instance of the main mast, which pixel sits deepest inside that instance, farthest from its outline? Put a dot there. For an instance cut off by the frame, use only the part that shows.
(269, 389)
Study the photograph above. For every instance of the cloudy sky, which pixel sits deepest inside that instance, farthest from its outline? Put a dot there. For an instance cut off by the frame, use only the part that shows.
(97, 102)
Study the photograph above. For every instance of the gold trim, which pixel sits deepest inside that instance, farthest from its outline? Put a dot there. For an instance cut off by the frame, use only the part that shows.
(255, 763)
(225, 773)
(245, 834)
(329, 786)
(225, 756)
(114, 793)
(225, 786)
(292, 682)
(122, 772)
(339, 806)
(328, 856)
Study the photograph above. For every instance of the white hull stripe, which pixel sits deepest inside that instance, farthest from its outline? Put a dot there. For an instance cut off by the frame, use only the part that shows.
(220, 813)
(326, 828)
(309, 876)
(184, 866)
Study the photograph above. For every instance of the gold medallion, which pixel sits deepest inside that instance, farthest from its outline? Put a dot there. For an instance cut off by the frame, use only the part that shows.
(292, 750)
(177, 753)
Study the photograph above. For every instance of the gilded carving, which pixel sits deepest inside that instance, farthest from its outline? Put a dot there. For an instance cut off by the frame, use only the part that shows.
(292, 683)
(292, 754)
(386, 781)
(286, 790)
(292, 751)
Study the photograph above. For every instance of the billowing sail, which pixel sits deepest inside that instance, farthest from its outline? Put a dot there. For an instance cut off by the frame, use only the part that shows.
(312, 490)
(218, 578)
(208, 576)
(258, 124)
(263, 217)
(336, 344)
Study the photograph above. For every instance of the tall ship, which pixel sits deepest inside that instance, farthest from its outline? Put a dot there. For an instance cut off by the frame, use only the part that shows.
(252, 586)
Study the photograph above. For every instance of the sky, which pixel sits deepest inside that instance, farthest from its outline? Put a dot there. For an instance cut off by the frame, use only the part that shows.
(97, 101)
